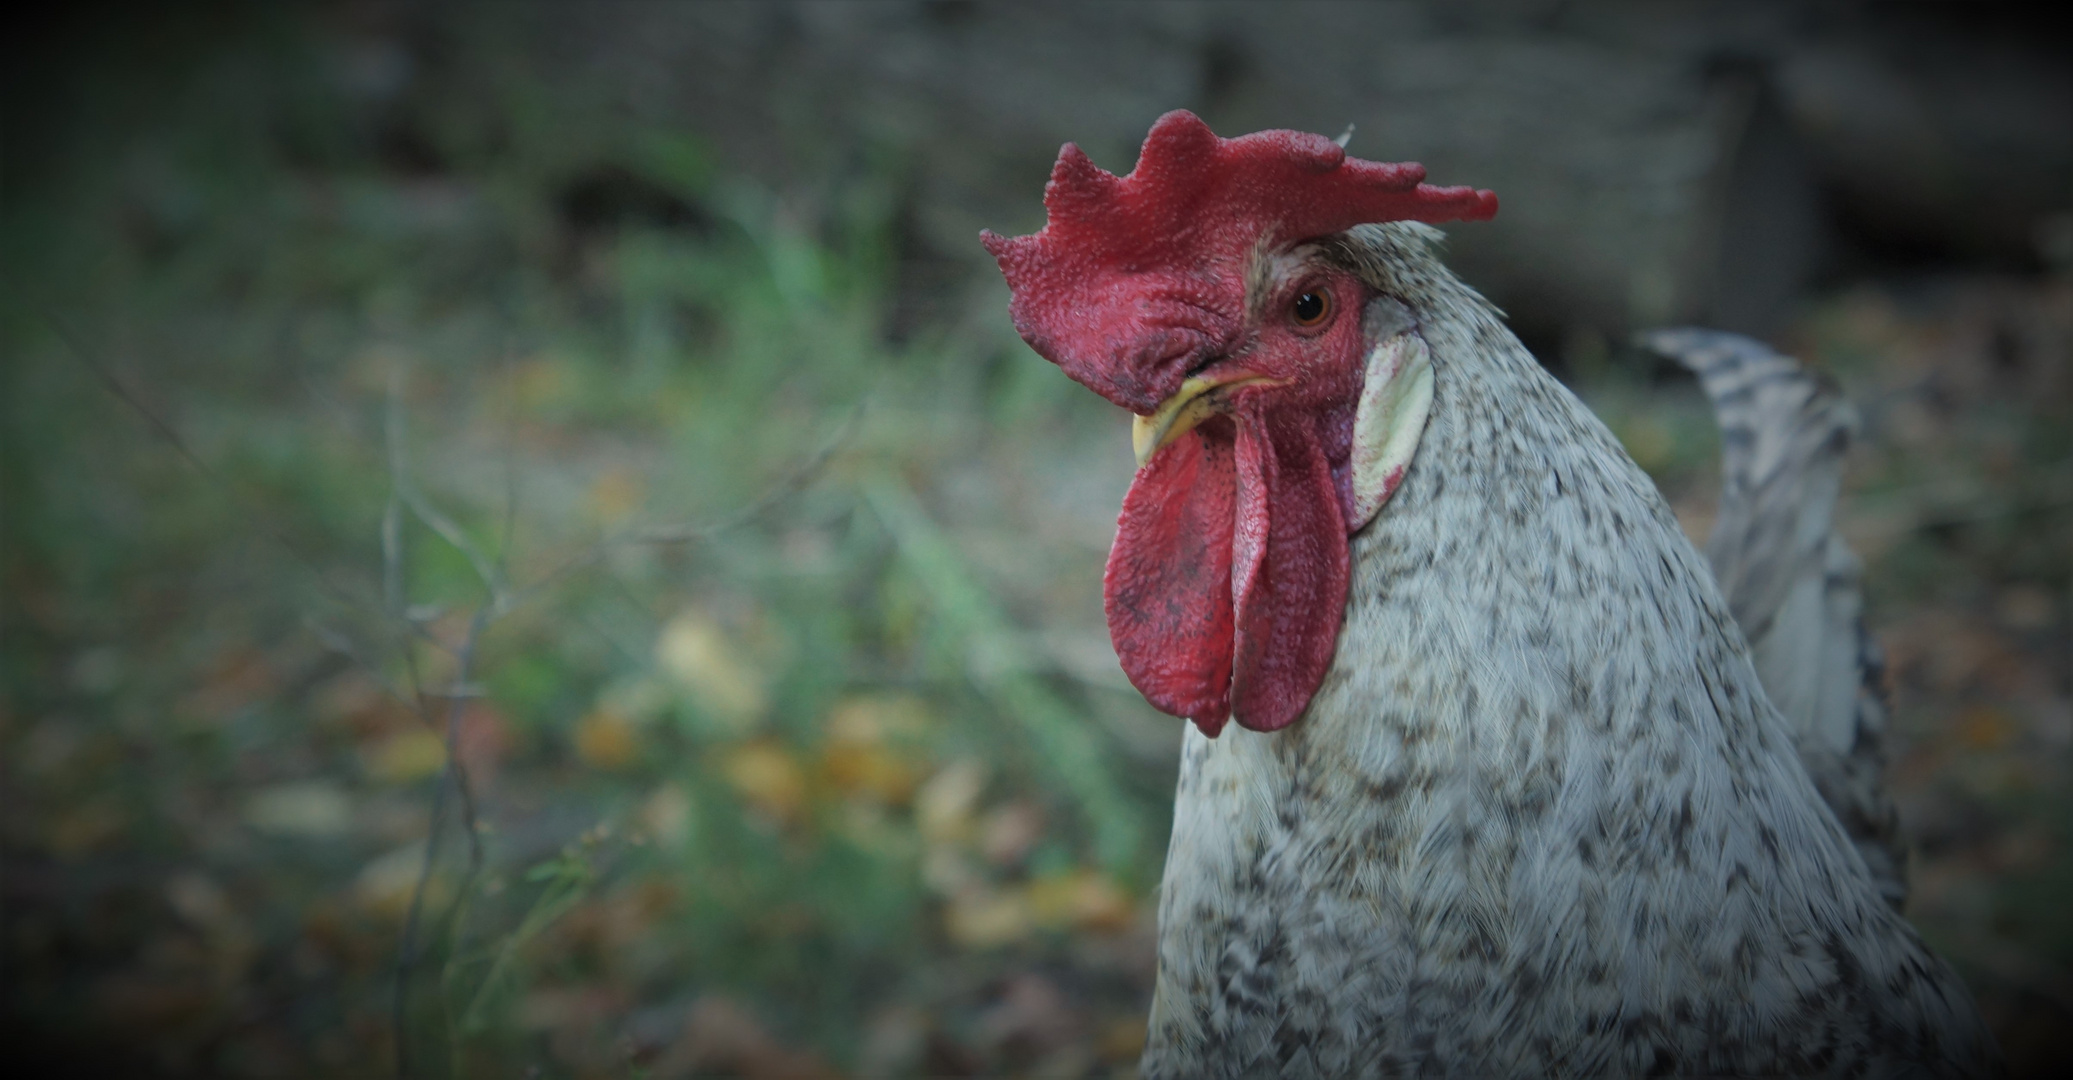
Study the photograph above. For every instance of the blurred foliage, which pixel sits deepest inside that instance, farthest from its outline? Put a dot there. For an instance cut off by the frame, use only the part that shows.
(372, 426)
(376, 429)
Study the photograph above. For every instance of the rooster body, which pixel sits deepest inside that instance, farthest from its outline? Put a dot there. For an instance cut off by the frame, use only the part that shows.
(1506, 794)
(1540, 817)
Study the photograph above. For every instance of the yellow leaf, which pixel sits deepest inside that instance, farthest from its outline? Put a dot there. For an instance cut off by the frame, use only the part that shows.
(606, 740)
(1010, 830)
(858, 760)
(615, 494)
(1983, 727)
(406, 757)
(311, 809)
(385, 885)
(695, 651)
(768, 778)
(98, 825)
(983, 918)
(198, 899)
(1083, 899)
(540, 382)
(943, 807)
(870, 719)
(870, 771)
(1123, 1040)
(1649, 441)
(668, 815)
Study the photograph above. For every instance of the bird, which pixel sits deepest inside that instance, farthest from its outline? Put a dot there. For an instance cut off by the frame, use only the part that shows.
(1487, 771)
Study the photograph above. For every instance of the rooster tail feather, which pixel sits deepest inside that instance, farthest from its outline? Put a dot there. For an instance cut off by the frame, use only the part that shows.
(1795, 588)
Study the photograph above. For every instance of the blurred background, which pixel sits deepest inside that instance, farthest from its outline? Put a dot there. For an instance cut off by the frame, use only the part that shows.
(531, 547)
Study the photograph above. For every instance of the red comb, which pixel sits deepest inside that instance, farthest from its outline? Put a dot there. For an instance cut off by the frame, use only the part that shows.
(1133, 277)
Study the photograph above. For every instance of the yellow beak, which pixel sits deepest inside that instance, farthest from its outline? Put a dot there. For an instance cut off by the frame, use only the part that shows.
(1193, 403)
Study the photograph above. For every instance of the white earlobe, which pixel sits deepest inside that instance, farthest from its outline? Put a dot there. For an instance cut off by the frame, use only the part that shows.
(1395, 396)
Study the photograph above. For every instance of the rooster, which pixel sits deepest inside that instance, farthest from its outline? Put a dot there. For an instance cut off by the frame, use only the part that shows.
(1485, 778)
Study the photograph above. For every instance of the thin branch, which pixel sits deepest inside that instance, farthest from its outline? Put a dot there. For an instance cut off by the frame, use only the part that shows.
(267, 526)
(339, 643)
(453, 783)
(453, 787)
(438, 522)
(509, 531)
(404, 487)
(633, 600)
(122, 393)
(392, 555)
(686, 533)
(608, 638)
(258, 513)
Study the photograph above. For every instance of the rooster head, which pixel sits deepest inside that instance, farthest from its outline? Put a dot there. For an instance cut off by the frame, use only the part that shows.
(1271, 423)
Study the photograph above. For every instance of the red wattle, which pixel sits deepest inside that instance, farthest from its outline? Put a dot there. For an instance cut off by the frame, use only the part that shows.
(1290, 569)
(1226, 585)
(1167, 590)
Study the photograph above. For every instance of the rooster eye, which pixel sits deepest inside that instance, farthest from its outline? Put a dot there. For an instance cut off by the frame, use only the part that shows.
(1312, 307)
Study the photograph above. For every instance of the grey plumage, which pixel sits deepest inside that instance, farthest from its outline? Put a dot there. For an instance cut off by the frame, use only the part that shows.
(1793, 585)
(1542, 818)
